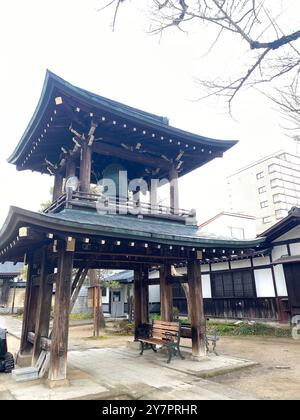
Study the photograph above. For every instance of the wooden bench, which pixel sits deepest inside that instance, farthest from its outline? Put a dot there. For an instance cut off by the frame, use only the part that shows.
(165, 334)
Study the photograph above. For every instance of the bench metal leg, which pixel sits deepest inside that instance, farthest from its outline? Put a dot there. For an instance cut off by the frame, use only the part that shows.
(180, 354)
(214, 348)
(153, 346)
(142, 348)
(170, 351)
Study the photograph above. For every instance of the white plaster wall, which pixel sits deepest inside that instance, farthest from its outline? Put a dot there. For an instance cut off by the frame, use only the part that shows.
(206, 286)
(205, 268)
(241, 264)
(279, 251)
(295, 248)
(280, 280)
(291, 234)
(261, 261)
(154, 293)
(264, 283)
(220, 266)
(154, 274)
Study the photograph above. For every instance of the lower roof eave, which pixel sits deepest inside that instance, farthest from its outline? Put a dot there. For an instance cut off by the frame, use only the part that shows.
(18, 217)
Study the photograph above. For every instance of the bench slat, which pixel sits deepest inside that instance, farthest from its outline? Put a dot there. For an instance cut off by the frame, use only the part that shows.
(163, 328)
(166, 323)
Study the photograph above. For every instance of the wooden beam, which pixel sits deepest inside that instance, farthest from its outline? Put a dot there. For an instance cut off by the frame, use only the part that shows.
(142, 158)
(43, 309)
(196, 310)
(76, 287)
(166, 294)
(60, 332)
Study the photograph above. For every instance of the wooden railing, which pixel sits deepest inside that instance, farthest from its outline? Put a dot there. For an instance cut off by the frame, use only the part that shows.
(113, 205)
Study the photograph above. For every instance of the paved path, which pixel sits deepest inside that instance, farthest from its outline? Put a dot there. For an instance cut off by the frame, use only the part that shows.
(121, 373)
(12, 325)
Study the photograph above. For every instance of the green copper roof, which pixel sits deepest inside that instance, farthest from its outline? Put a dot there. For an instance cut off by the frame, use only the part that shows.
(55, 86)
(117, 226)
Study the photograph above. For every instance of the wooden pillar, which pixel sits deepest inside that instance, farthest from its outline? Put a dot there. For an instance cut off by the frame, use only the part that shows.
(137, 300)
(145, 298)
(30, 305)
(58, 186)
(43, 310)
(70, 168)
(174, 191)
(4, 292)
(166, 294)
(60, 332)
(85, 167)
(154, 196)
(196, 310)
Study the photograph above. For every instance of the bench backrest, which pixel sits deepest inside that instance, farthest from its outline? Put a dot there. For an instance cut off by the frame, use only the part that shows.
(163, 330)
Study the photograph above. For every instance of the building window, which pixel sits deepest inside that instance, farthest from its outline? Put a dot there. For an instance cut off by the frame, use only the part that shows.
(104, 291)
(280, 214)
(237, 284)
(262, 190)
(264, 204)
(238, 233)
(276, 198)
(267, 220)
(259, 175)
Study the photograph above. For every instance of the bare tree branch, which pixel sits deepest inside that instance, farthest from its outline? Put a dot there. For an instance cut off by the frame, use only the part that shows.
(259, 23)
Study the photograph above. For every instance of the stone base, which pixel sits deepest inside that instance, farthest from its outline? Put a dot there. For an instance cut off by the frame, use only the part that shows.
(23, 360)
(199, 358)
(57, 384)
(133, 345)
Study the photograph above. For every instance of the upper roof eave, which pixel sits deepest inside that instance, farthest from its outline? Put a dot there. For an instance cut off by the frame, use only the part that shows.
(53, 81)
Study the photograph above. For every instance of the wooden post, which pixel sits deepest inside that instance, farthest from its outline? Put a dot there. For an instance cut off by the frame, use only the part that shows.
(70, 168)
(96, 304)
(145, 298)
(5, 292)
(174, 191)
(60, 332)
(137, 300)
(30, 305)
(196, 310)
(58, 186)
(85, 167)
(43, 310)
(154, 196)
(166, 294)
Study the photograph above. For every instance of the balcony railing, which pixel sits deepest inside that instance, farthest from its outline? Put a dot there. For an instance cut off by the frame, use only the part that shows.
(112, 205)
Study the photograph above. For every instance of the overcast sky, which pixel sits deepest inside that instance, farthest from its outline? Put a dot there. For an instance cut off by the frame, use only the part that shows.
(75, 41)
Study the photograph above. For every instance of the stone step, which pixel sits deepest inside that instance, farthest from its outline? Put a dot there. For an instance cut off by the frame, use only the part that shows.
(25, 374)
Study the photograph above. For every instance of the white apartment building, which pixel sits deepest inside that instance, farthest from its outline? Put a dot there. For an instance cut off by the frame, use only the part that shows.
(267, 188)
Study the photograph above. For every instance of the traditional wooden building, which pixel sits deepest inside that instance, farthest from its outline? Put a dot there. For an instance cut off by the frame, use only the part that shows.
(8, 272)
(77, 134)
